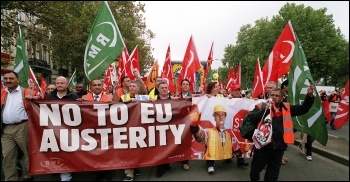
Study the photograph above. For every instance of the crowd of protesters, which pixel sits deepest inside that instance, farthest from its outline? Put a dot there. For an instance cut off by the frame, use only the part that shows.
(14, 118)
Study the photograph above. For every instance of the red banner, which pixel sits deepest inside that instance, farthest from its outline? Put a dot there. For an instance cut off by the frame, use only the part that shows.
(88, 136)
(72, 136)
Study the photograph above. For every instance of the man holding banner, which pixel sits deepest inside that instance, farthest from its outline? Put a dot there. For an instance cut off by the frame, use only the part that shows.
(14, 126)
(62, 92)
(281, 114)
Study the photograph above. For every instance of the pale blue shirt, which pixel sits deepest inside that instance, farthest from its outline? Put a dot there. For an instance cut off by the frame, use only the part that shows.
(14, 110)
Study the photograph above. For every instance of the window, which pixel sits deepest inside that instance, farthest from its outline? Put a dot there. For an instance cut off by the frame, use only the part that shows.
(44, 53)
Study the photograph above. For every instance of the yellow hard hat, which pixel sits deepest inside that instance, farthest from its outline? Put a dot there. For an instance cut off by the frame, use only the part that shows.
(215, 76)
(219, 108)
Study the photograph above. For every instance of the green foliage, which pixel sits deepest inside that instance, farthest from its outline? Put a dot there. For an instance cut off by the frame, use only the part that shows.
(326, 49)
(70, 23)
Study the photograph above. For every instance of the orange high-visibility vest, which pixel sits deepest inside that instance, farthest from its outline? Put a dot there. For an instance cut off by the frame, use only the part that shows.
(288, 133)
(214, 149)
(104, 97)
(25, 91)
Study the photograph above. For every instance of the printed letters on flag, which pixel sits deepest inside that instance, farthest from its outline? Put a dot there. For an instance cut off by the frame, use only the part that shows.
(299, 79)
(104, 45)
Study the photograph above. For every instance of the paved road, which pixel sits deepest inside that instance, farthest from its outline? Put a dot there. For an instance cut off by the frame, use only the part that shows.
(297, 169)
(342, 133)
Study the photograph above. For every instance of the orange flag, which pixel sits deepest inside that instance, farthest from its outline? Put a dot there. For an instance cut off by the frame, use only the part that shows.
(190, 65)
(151, 79)
(238, 74)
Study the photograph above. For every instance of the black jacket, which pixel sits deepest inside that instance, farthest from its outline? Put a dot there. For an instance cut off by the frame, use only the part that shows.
(68, 96)
(277, 122)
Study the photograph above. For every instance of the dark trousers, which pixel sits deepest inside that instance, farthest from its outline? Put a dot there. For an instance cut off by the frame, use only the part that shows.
(162, 167)
(240, 161)
(269, 156)
(210, 163)
(308, 145)
(333, 115)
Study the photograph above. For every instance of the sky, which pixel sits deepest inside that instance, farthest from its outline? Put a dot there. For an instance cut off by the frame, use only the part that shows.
(173, 23)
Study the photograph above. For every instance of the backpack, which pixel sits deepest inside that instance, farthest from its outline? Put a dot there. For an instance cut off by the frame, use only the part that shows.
(247, 127)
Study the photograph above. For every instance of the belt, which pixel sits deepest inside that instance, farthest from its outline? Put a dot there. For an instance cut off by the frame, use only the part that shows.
(23, 121)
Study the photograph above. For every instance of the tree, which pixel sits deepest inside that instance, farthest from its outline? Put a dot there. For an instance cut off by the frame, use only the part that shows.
(69, 24)
(325, 47)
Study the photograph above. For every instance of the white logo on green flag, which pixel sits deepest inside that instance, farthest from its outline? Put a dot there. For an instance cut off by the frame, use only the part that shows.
(313, 122)
(21, 61)
(104, 45)
(73, 80)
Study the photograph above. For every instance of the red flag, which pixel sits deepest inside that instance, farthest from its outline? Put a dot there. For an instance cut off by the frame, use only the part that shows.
(238, 74)
(133, 63)
(280, 58)
(167, 72)
(43, 84)
(33, 79)
(325, 106)
(190, 65)
(220, 85)
(123, 58)
(231, 79)
(108, 79)
(258, 87)
(343, 109)
(2, 85)
(208, 67)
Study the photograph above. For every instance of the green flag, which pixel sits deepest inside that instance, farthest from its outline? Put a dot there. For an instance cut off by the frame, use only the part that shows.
(73, 80)
(209, 76)
(21, 61)
(104, 44)
(300, 78)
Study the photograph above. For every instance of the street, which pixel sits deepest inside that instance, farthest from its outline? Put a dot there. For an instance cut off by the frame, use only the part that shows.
(297, 169)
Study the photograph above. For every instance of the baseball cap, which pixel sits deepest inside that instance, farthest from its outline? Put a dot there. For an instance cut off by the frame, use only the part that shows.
(236, 87)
